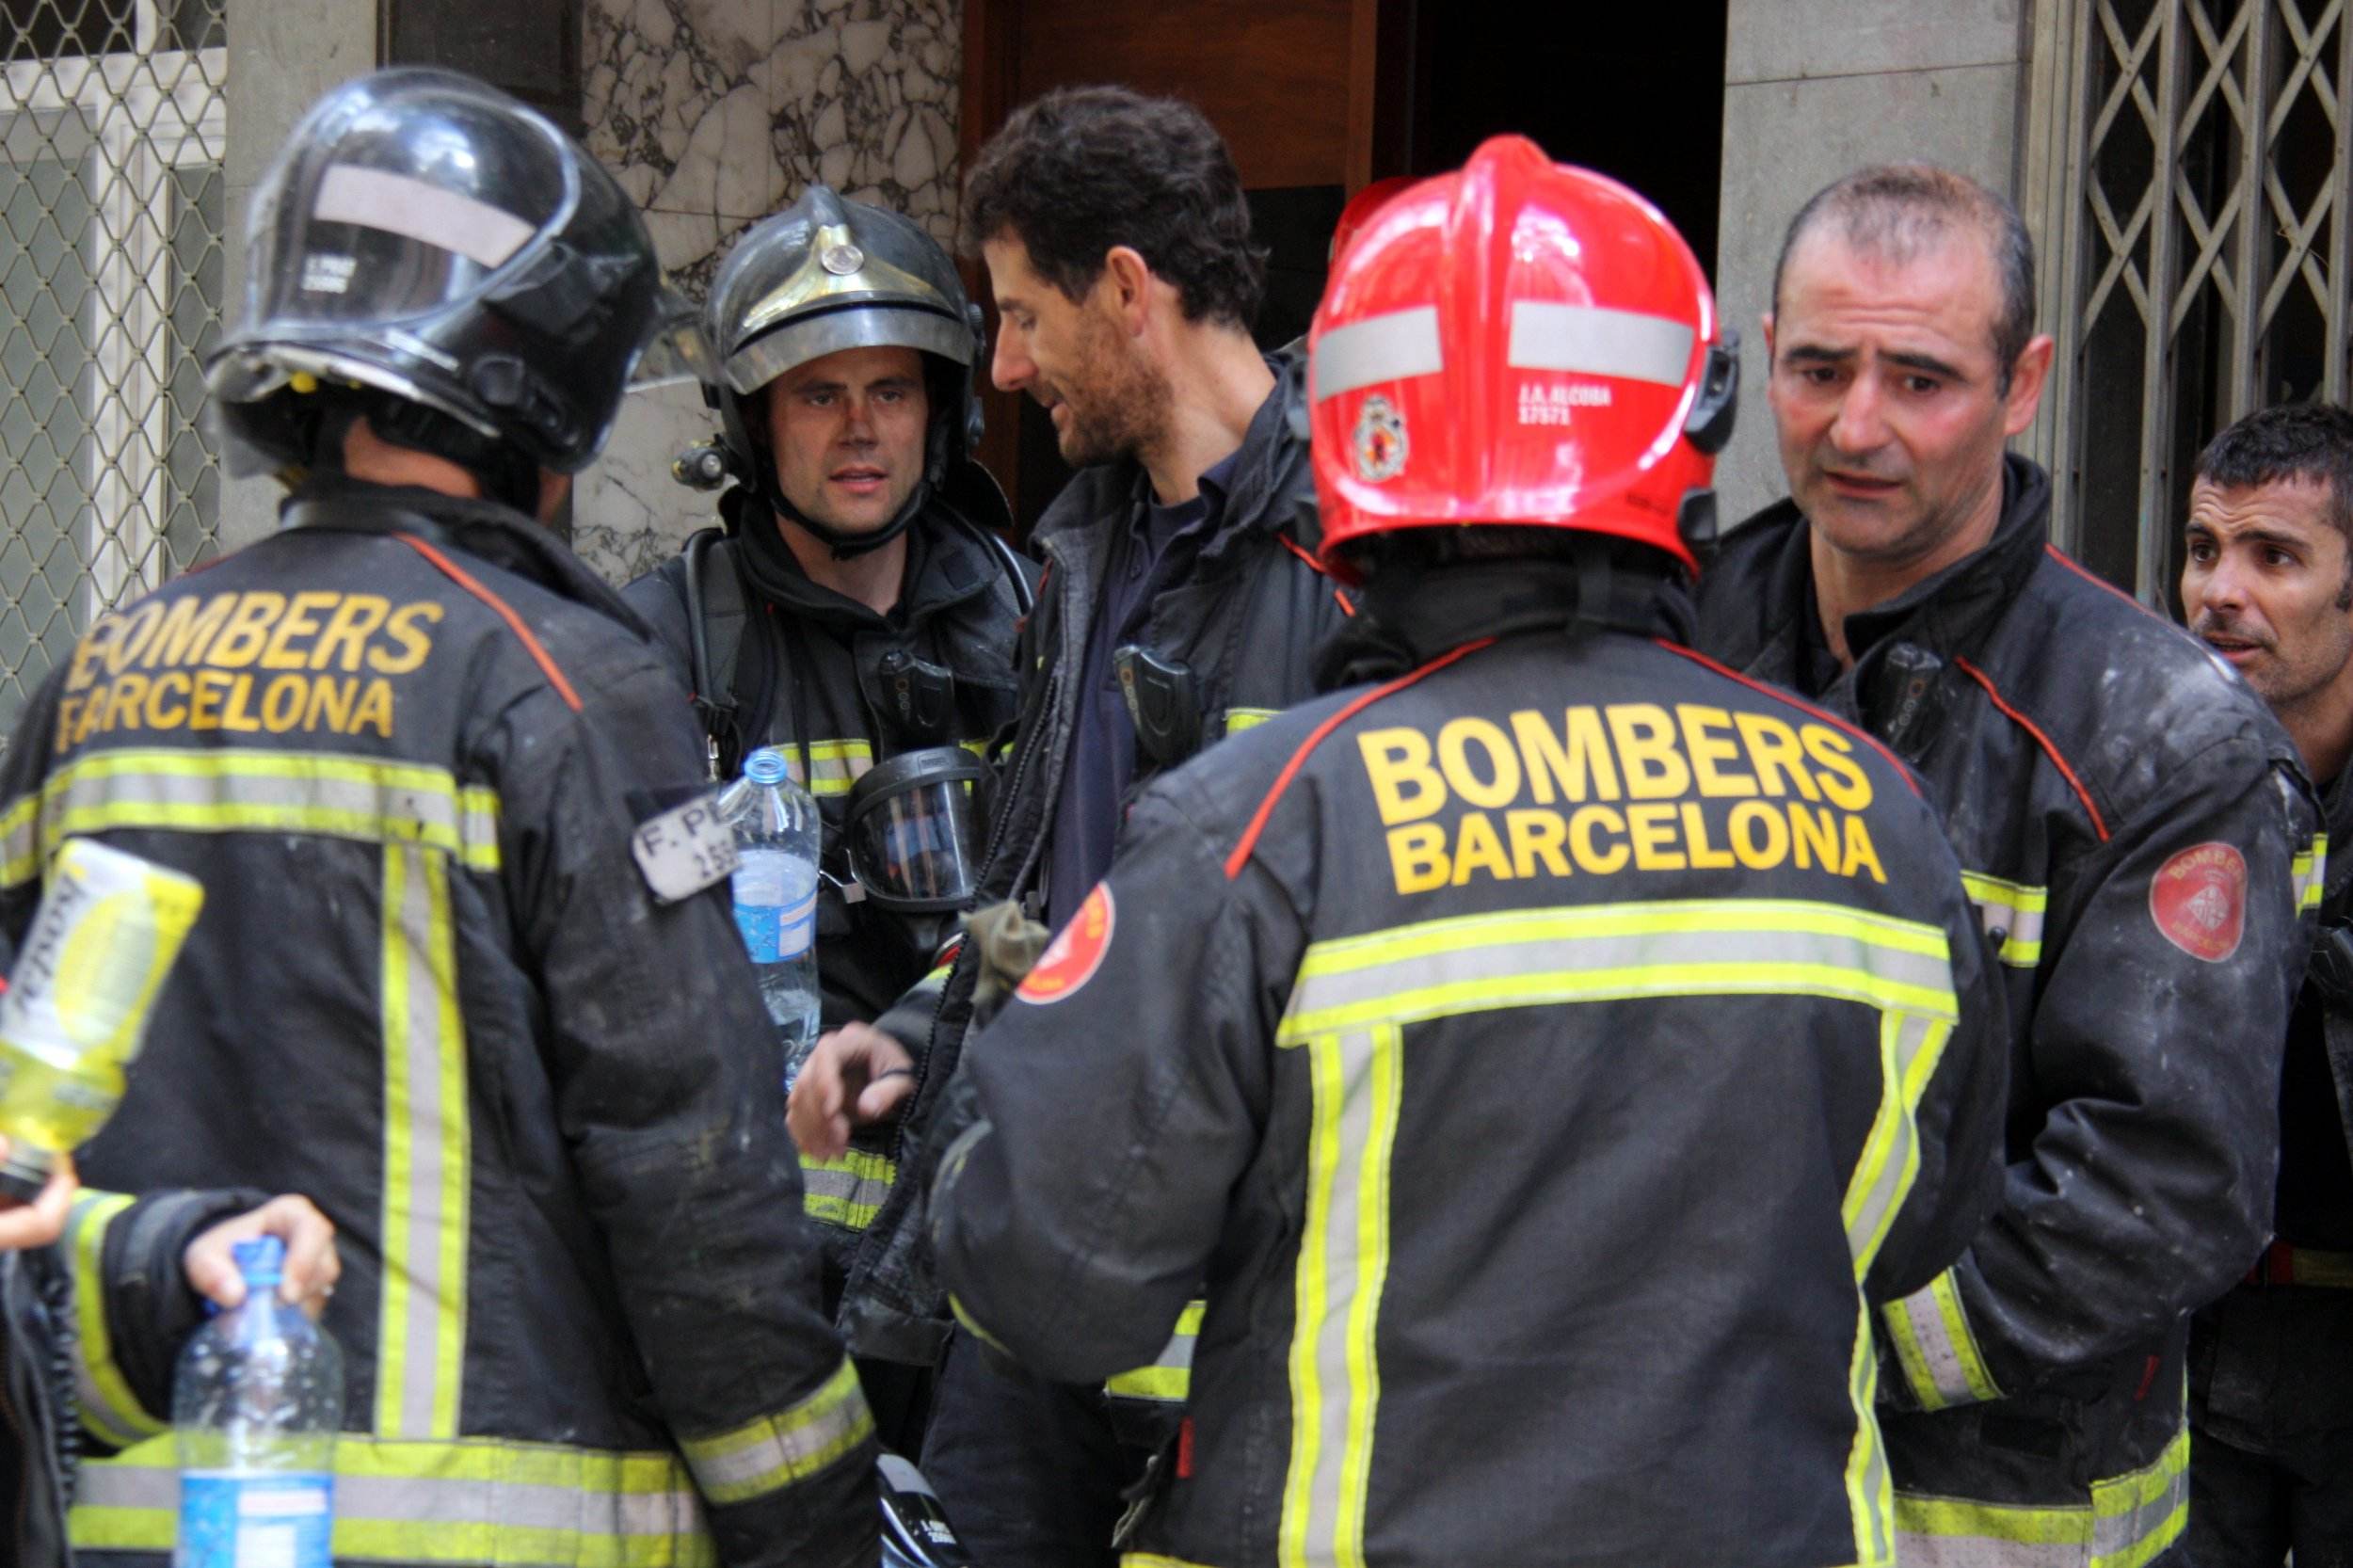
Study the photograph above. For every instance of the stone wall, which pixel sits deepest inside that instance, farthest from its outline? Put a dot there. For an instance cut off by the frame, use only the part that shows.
(715, 113)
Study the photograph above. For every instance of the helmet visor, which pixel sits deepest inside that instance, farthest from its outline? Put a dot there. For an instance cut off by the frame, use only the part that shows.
(910, 834)
(677, 351)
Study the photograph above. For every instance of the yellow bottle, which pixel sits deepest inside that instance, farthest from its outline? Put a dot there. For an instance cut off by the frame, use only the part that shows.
(76, 1011)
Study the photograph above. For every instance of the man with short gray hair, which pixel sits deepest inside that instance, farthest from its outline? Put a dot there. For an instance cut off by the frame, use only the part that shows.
(2132, 826)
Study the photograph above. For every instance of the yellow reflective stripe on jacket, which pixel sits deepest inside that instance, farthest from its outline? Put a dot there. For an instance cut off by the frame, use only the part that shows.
(833, 765)
(849, 1191)
(2014, 909)
(421, 1323)
(1239, 719)
(107, 1407)
(1934, 1342)
(366, 798)
(2310, 873)
(1911, 1044)
(1169, 1378)
(1708, 947)
(776, 1450)
(1357, 1080)
(20, 851)
(477, 1501)
(2128, 1523)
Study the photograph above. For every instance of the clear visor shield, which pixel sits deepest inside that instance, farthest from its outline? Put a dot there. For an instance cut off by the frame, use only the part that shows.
(911, 836)
(677, 350)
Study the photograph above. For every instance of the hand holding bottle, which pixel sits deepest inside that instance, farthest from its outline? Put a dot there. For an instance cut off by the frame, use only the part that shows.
(311, 1264)
(43, 1220)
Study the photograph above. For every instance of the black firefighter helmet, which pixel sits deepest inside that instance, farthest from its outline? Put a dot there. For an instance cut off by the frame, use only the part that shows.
(464, 266)
(825, 275)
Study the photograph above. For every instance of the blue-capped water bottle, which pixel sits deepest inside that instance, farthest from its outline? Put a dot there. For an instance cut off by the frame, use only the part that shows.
(777, 839)
(256, 1405)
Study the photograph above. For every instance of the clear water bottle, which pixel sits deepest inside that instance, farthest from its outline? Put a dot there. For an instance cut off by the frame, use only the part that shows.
(256, 1403)
(777, 839)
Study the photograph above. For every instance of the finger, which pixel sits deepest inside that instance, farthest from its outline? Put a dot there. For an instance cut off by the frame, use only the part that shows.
(309, 1237)
(885, 1095)
(212, 1271)
(43, 1220)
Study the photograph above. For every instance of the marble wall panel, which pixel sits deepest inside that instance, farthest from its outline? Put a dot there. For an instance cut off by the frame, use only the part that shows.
(714, 114)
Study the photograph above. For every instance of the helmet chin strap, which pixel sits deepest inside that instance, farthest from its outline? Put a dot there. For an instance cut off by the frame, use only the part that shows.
(845, 545)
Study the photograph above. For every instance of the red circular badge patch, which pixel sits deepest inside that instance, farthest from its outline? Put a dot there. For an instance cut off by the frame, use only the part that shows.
(2199, 900)
(1076, 952)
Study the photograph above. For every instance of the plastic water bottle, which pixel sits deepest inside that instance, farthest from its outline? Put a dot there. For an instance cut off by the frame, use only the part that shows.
(257, 1403)
(76, 1009)
(777, 837)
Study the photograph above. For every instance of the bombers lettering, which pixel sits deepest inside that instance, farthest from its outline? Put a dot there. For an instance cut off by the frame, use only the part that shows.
(253, 661)
(1597, 790)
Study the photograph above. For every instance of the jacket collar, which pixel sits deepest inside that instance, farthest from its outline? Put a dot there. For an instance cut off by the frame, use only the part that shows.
(945, 566)
(1952, 612)
(1265, 468)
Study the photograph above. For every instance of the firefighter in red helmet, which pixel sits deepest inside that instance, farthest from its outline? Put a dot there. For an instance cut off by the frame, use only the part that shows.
(1550, 1047)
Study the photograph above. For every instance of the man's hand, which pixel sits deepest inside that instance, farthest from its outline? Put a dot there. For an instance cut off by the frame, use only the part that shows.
(312, 1262)
(43, 1220)
(856, 1076)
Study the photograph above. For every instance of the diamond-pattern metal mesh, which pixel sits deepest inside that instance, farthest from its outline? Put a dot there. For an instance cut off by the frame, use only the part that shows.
(2206, 227)
(112, 216)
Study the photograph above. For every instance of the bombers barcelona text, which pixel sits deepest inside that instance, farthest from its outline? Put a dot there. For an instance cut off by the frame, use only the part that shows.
(1597, 790)
(310, 661)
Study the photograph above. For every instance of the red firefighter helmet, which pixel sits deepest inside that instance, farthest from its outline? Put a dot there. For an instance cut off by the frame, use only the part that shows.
(1360, 209)
(1522, 342)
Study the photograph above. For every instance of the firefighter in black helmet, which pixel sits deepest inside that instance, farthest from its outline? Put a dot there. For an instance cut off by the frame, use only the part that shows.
(857, 607)
(461, 975)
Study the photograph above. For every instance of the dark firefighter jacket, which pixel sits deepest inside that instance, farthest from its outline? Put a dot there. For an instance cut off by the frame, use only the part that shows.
(109, 1302)
(1247, 622)
(2135, 827)
(1547, 1061)
(809, 678)
(408, 744)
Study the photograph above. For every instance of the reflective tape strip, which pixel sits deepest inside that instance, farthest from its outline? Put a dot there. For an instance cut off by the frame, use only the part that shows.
(964, 1318)
(1356, 1078)
(418, 210)
(1939, 1353)
(1870, 1486)
(2309, 879)
(477, 1501)
(365, 798)
(1594, 340)
(1480, 963)
(834, 765)
(2130, 1521)
(1239, 719)
(1169, 1378)
(1911, 1044)
(107, 1407)
(420, 1324)
(19, 852)
(1390, 347)
(776, 1450)
(2015, 910)
(849, 1191)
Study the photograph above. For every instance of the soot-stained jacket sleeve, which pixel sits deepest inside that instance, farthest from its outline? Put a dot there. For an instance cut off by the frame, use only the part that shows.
(679, 1141)
(1121, 1095)
(2148, 1187)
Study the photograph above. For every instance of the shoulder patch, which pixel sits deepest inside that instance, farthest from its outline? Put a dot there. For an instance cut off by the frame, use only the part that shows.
(685, 849)
(2199, 901)
(1076, 952)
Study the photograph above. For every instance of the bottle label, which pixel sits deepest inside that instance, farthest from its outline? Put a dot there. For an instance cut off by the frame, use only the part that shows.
(772, 933)
(275, 1520)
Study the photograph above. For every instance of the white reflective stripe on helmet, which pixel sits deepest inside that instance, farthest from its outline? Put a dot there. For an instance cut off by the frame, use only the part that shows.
(1593, 340)
(418, 210)
(1379, 348)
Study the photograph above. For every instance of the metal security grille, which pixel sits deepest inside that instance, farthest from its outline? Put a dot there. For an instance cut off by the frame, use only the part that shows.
(111, 278)
(2188, 161)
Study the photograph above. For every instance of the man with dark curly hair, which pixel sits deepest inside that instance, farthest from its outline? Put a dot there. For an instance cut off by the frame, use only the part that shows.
(1181, 603)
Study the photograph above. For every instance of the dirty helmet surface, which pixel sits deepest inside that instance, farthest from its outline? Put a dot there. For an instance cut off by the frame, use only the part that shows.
(423, 237)
(910, 833)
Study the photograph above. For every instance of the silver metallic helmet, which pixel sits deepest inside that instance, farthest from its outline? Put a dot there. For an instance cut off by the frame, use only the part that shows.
(825, 275)
(449, 254)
